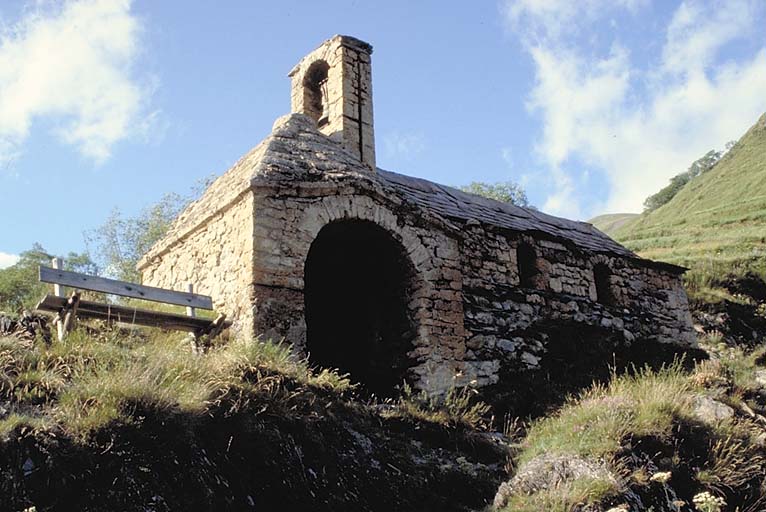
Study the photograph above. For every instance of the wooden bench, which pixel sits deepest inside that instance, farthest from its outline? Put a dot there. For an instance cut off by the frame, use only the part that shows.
(67, 309)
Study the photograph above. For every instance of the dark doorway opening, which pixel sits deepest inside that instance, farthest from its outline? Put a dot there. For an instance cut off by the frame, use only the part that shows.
(357, 287)
(602, 275)
(527, 261)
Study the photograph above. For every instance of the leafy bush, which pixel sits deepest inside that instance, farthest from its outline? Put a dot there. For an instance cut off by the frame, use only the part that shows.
(506, 192)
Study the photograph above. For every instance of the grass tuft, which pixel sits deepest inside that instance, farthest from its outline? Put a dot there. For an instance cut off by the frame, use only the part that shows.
(457, 408)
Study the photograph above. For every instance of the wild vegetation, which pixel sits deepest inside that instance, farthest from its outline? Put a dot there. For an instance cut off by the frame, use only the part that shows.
(679, 181)
(649, 439)
(106, 419)
(505, 191)
(674, 440)
(715, 222)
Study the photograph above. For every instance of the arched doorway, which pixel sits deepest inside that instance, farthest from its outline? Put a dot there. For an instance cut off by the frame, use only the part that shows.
(358, 282)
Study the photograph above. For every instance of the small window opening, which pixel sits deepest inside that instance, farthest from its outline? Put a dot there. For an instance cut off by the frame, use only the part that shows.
(528, 270)
(602, 275)
(315, 98)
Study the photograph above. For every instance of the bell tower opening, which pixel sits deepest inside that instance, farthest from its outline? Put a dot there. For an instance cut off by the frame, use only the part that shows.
(315, 93)
(333, 86)
(358, 282)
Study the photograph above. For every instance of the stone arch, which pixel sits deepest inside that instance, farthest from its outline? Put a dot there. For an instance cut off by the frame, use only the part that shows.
(315, 98)
(359, 284)
(436, 300)
(438, 313)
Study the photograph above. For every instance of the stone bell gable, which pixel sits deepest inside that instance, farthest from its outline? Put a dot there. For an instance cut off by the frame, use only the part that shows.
(391, 277)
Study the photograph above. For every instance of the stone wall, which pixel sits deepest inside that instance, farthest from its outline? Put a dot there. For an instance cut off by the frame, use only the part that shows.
(285, 227)
(216, 256)
(648, 304)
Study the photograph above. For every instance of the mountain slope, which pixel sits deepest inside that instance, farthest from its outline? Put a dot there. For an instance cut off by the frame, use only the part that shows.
(717, 219)
(609, 223)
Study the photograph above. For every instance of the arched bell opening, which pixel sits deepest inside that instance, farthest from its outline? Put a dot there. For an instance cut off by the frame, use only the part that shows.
(316, 101)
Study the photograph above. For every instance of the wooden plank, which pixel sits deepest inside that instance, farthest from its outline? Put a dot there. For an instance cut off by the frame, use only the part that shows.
(59, 292)
(190, 310)
(128, 315)
(136, 291)
(58, 264)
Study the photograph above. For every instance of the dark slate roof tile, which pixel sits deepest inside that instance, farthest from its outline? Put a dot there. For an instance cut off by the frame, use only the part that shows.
(455, 204)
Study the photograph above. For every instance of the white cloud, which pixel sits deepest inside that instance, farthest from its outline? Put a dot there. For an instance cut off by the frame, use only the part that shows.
(640, 126)
(697, 31)
(537, 20)
(403, 145)
(6, 260)
(71, 65)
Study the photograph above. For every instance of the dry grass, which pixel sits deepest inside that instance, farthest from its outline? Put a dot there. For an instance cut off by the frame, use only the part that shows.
(605, 422)
(89, 382)
(457, 408)
(595, 424)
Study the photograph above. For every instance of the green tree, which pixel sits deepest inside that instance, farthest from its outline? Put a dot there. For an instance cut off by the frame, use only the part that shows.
(121, 241)
(20, 287)
(679, 181)
(505, 191)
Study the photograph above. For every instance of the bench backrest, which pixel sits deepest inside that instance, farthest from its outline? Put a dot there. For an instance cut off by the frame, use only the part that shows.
(124, 289)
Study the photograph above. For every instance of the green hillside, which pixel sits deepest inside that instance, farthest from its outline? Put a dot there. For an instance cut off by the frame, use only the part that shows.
(609, 223)
(717, 221)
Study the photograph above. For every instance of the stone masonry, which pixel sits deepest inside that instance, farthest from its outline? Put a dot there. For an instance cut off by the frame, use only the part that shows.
(476, 274)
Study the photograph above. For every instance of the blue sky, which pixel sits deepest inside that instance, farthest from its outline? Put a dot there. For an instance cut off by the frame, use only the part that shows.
(591, 105)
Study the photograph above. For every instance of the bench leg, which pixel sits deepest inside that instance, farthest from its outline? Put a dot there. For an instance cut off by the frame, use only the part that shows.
(66, 319)
(194, 343)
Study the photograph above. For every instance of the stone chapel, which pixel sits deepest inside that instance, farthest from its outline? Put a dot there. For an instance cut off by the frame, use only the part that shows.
(391, 277)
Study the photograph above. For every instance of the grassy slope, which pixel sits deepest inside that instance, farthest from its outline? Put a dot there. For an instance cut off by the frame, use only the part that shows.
(642, 425)
(611, 222)
(108, 421)
(718, 220)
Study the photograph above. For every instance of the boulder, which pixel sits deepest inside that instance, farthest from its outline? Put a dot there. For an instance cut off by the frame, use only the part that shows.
(548, 471)
(711, 411)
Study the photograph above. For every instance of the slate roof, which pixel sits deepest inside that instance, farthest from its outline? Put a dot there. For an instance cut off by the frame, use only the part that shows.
(455, 204)
(295, 152)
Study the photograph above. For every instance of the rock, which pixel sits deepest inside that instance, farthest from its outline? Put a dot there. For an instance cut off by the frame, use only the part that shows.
(476, 342)
(548, 471)
(760, 378)
(530, 360)
(711, 411)
(506, 345)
